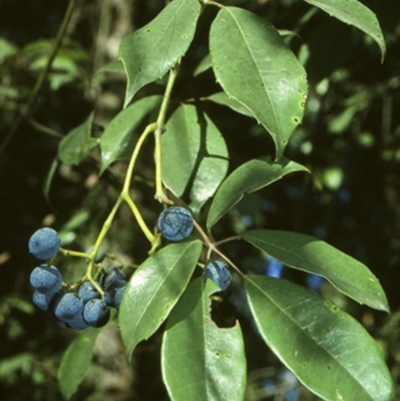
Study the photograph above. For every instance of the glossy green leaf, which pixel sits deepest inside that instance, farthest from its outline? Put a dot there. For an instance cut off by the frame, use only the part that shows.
(121, 134)
(256, 68)
(223, 99)
(354, 13)
(194, 156)
(312, 255)
(249, 177)
(154, 289)
(77, 144)
(150, 52)
(327, 349)
(76, 361)
(199, 360)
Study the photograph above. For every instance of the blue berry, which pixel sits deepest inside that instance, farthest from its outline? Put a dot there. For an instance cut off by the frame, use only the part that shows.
(219, 273)
(109, 297)
(42, 301)
(96, 313)
(175, 223)
(87, 291)
(44, 243)
(46, 279)
(113, 279)
(68, 307)
(78, 323)
(118, 296)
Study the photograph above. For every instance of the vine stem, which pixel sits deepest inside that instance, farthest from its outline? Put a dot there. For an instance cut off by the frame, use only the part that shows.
(42, 77)
(160, 194)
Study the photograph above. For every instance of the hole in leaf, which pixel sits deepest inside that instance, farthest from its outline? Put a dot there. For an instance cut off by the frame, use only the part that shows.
(223, 313)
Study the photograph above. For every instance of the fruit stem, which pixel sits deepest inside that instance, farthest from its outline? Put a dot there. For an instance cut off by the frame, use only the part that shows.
(146, 231)
(67, 252)
(212, 247)
(129, 173)
(160, 194)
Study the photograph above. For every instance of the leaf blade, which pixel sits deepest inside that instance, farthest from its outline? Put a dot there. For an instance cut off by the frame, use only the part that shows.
(77, 144)
(247, 178)
(194, 156)
(256, 68)
(76, 361)
(119, 137)
(154, 289)
(199, 360)
(148, 53)
(354, 13)
(312, 255)
(328, 350)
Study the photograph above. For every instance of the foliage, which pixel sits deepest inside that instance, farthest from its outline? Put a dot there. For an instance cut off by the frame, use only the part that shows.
(167, 144)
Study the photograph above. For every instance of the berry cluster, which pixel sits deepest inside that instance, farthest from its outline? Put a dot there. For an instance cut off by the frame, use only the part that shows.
(72, 309)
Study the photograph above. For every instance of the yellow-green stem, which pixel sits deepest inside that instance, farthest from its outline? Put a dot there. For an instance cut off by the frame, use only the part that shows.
(129, 173)
(160, 194)
(149, 235)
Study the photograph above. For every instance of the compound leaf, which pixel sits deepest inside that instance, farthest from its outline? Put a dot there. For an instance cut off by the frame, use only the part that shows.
(76, 361)
(199, 360)
(256, 68)
(121, 134)
(354, 13)
(148, 53)
(328, 350)
(154, 289)
(77, 144)
(247, 178)
(312, 255)
(194, 156)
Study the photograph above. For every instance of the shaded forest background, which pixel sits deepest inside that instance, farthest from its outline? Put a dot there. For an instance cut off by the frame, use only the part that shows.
(349, 139)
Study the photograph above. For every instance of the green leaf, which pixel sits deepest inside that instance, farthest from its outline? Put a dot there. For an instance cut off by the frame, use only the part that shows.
(150, 52)
(199, 360)
(154, 289)
(328, 350)
(76, 361)
(223, 99)
(247, 178)
(77, 144)
(194, 156)
(121, 134)
(256, 68)
(354, 13)
(312, 255)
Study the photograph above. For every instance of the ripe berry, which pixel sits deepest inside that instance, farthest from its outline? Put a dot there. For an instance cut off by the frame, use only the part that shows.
(175, 223)
(87, 291)
(68, 307)
(96, 313)
(219, 273)
(46, 279)
(118, 296)
(44, 243)
(42, 301)
(113, 279)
